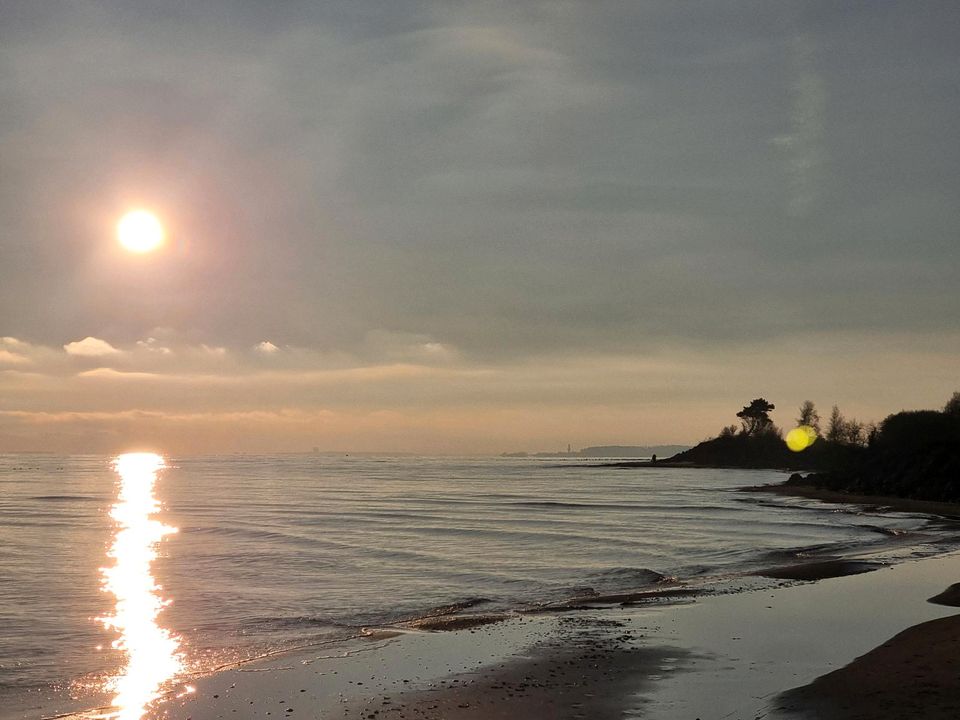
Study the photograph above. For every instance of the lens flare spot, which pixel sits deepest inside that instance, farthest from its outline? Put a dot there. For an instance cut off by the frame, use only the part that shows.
(152, 652)
(800, 438)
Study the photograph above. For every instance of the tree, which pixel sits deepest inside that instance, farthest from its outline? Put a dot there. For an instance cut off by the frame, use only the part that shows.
(854, 433)
(809, 416)
(953, 405)
(728, 431)
(848, 432)
(755, 417)
(836, 426)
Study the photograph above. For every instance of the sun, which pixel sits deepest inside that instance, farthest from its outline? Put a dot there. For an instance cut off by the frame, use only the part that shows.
(140, 231)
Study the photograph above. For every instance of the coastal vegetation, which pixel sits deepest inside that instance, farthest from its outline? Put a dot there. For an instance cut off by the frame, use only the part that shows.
(913, 454)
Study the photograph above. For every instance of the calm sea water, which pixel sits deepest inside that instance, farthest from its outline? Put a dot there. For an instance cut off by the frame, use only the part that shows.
(278, 550)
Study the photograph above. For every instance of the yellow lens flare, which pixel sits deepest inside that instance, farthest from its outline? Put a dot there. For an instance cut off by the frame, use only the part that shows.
(139, 231)
(152, 653)
(800, 438)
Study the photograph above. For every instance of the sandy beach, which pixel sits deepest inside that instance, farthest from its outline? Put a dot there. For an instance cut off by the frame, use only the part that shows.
(867, 644)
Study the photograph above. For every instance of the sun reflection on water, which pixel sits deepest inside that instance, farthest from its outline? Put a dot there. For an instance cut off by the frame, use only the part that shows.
(152, 652)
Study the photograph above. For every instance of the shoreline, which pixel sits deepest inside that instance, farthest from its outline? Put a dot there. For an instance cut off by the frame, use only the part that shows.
(758, 651)
(811, 492)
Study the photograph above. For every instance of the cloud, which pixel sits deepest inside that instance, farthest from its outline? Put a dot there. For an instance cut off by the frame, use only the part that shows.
(213, 351)
(14, 351)
(152, 345)
(469, 195)
(11, 358)
(266, 347)
(503, 179)
(804, 146)
(90, 347)
(111, 374)
(388, 346)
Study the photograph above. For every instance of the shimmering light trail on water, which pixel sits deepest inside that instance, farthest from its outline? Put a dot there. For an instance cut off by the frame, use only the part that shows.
(152, 652)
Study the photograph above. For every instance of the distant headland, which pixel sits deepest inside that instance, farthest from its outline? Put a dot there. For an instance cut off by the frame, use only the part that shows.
(607, 451)
(910, 454)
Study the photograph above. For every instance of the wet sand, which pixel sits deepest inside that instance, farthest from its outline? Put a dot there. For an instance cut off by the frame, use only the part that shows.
(718, 655)
(819, 570)
(588, 669)
(539, 667)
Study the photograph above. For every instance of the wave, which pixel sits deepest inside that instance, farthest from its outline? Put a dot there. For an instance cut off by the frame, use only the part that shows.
(459, 605)
(552, 503)
(891, 532)
(631, 575)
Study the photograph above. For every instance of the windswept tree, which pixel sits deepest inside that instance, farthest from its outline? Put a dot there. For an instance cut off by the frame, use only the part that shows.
(755, 417)
(809, 416)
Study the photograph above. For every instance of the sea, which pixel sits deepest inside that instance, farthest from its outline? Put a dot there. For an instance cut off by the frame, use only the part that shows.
(238, 556)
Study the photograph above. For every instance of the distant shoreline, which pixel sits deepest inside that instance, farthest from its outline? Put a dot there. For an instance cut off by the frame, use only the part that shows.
(668, 464)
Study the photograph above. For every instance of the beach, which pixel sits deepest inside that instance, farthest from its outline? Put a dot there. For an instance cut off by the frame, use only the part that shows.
(868, 645)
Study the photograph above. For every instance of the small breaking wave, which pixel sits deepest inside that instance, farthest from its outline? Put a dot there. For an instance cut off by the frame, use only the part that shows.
(890, 532)
(630, 575)
(557, 504)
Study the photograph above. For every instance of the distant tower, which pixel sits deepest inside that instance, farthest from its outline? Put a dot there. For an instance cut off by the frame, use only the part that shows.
(568, 448)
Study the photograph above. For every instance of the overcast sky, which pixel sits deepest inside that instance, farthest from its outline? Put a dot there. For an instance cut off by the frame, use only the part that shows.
(445, 226)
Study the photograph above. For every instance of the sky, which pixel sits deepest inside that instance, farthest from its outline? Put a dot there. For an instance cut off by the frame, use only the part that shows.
(472, 227)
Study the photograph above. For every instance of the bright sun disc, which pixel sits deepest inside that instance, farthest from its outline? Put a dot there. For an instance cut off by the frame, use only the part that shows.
(140, 231)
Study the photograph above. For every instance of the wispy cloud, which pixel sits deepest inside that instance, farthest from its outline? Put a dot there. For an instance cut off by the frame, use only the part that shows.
(804, 146)
(11, 358)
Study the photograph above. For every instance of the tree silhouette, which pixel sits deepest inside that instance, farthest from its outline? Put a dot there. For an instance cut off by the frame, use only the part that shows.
(809, 416)
(836, 426)
(755, 417)
(953, 405)
(846, 432)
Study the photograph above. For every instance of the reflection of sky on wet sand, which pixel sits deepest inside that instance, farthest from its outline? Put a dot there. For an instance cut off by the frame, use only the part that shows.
(152, 653)
(749, 647)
